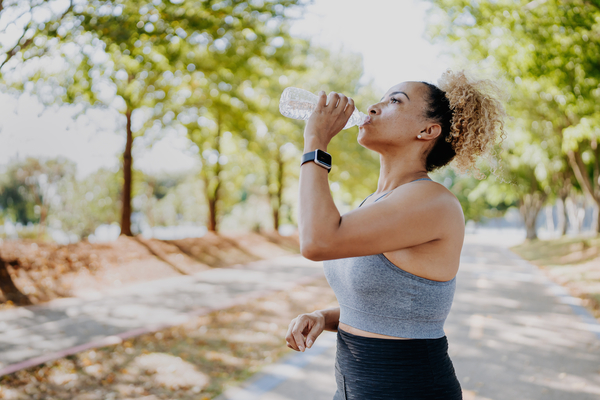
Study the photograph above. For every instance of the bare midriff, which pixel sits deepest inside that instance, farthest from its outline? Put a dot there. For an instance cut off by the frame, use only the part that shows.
(360, 332)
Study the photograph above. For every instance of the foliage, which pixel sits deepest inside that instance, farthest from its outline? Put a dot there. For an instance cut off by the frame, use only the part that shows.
(170, 199)
(30, 188)
(548, 51)
(466, 189)
(87, 203)
(145, 59)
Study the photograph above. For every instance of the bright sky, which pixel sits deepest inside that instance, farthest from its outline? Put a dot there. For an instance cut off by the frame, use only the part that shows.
(388, 34)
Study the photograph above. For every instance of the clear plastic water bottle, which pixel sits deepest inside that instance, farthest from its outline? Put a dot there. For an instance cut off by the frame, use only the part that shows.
(299, 104)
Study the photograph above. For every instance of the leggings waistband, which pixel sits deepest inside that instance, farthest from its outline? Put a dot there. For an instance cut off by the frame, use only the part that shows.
(377, 368)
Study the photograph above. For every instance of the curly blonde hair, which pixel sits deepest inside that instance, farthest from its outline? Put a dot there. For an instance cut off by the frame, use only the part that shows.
(472, 119)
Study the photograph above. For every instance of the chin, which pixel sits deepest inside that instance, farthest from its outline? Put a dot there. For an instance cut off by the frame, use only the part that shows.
(362, 139)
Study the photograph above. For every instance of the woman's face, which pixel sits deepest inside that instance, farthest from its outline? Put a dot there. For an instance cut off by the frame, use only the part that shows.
(397, 119)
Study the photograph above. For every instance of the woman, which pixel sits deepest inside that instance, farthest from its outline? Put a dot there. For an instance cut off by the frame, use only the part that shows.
(392, 262)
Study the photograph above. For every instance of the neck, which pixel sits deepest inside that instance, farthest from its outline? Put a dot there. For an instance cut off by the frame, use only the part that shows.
(399, 168)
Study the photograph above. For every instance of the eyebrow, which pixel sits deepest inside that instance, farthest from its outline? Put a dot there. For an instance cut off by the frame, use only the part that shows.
(391, 94)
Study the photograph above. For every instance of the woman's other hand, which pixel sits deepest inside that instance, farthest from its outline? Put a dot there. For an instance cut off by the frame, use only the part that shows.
(304, 330)
(328, 119)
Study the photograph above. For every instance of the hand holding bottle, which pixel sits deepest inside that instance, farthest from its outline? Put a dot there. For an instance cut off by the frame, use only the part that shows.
(328, 119)
(299, 104)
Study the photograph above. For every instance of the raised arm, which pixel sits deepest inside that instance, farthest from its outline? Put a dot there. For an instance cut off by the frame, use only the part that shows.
(380, 227)
(317, 209)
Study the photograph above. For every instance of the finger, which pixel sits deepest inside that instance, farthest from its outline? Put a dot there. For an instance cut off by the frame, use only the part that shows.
(313, 334)
(297, 333)
(289, 338)
(291, 343)
(333, 99)
(342, 103)
(322, 99)
(350, 107)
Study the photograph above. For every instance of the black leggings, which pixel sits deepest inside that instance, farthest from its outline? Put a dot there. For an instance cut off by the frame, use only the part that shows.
(394, 369)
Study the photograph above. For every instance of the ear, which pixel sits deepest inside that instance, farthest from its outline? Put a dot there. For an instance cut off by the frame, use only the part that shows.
(431, 131)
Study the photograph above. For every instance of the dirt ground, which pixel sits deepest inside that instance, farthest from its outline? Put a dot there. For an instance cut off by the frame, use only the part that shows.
(42, 271)
(194, 361)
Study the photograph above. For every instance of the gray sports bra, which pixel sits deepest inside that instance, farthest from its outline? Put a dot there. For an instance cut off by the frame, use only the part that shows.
(377, 296)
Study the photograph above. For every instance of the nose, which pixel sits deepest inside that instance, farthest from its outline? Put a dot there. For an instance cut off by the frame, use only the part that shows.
(374, 110)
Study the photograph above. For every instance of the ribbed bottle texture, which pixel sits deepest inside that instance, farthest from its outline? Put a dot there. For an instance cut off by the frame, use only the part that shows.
(299, 104)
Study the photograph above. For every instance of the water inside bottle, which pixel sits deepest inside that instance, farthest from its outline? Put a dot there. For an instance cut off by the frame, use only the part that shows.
(297, 109)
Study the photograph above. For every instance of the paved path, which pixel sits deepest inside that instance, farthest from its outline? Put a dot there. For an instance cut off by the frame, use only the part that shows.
(512, 333)
(35, 334)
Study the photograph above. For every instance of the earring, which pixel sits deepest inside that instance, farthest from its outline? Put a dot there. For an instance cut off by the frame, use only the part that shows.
(419, 136)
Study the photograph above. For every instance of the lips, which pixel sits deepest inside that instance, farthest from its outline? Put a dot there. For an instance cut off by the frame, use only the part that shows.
(367, 121)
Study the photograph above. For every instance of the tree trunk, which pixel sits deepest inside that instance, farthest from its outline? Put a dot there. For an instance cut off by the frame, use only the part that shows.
(10, 291)
(42, 225)
(276, 218)
(127, 181)
(530, 206)
(576, 214)
(212, 196)
(586, 183)
(561, 212)
(279, 194)
(212, 215)
(563, 192)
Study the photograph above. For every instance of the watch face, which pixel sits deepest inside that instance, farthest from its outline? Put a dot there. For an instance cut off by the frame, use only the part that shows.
(323, 158)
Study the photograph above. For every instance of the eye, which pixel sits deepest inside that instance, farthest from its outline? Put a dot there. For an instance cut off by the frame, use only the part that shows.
(394, 100)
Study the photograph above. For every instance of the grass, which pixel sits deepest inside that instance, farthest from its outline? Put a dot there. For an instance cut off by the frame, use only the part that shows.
(570, 261)
(566, 250)
(197, 360)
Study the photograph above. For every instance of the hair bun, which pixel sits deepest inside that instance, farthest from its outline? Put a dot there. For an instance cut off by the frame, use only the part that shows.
(478, 116)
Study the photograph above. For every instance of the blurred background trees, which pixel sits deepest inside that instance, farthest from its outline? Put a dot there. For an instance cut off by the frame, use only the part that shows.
(146, 60)
(547, 52)
(213, 71)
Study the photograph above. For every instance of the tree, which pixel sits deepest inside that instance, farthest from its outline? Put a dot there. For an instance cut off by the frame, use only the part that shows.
(137, 58)
(279, 141)
(229, 100)
(276, 139)
(550, 51)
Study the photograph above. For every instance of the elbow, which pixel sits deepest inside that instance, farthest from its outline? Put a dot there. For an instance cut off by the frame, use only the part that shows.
(311, 251)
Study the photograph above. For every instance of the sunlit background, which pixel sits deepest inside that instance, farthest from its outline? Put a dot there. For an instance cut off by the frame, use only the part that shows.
(387, 47)
(149, 185)
(65, 94)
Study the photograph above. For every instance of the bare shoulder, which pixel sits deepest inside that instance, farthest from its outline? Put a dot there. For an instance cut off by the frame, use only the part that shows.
(441, 219)
(434, 197)
(428, 191)
(446, 196)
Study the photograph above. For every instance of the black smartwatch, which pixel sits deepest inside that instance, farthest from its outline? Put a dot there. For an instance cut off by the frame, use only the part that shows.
(319, 157)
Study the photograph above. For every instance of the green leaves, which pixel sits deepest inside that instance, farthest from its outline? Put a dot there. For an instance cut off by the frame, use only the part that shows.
(548, 53)
(587, 130)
